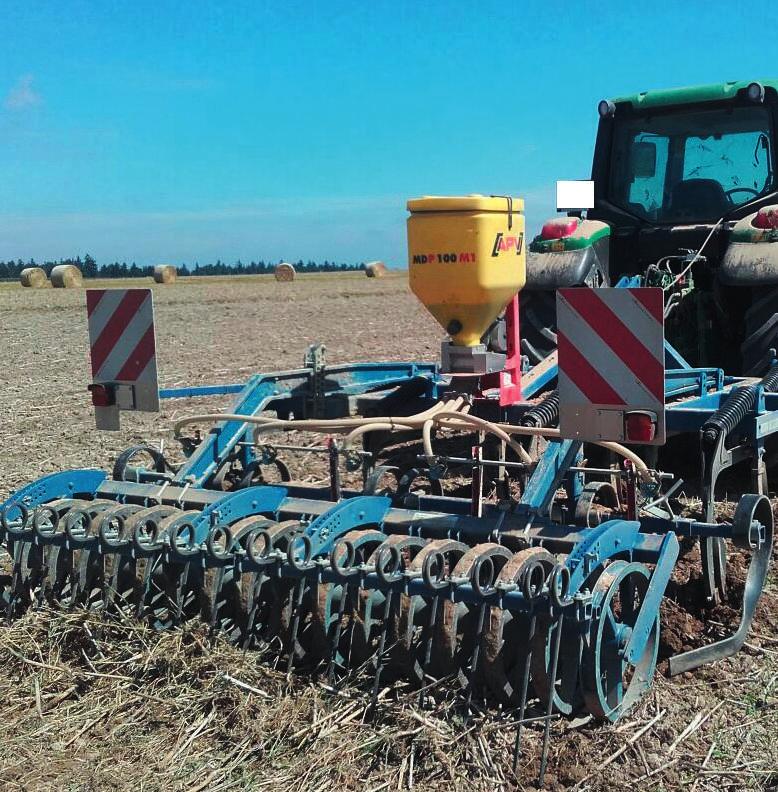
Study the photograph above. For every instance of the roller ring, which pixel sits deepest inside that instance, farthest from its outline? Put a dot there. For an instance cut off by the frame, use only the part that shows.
(146, 541)
(388, 572)
(36, 520)
(121, 530)
(291, 556)
(213, 549)
(560, 574)
(24, 512)
(438, 581)
(481, 564)
(531, 582)
(70, 520)
(345, 569)
(267, 545)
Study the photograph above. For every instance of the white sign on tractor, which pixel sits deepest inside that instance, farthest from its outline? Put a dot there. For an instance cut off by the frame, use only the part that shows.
(574, 195)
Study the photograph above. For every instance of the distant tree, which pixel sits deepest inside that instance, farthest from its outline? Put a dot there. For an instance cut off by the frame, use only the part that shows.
(89, 267)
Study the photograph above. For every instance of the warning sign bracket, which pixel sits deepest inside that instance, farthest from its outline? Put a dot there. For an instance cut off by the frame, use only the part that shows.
(611, 365)
(123, 353)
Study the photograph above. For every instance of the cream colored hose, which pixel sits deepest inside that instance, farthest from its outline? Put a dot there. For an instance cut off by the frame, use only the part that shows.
(447, 415)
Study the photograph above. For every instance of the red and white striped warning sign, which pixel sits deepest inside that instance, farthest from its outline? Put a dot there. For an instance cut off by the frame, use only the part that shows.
(123, 349)
(611, 364)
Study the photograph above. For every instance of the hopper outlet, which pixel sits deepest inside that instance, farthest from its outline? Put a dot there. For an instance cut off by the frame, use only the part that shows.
(466, 260)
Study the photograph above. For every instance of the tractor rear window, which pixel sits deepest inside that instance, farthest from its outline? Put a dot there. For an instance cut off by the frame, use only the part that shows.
(681, 166)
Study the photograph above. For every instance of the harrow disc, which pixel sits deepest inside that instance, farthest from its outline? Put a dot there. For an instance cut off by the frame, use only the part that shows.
(226, 593)
(459, 626)
(268, 599)
(377, 616)
(419, 613)
(555, 659)
(507, 640)
(610, 684)
(332, 621)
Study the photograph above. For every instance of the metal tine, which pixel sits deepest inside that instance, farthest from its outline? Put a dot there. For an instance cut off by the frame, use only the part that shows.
(213, 594)
(345, 600)
(532, 582)
(20, 582)
(381, 650)
(145, 605)
(474, 662)
(112, 589)
(16, 576)
(427, 658)
(40, 594)
(550, 704)
(482, 579)
(299, 593)
(559, 585)
(259, 580)
(387, 567)
(434, 573)
(177, 612)
(525, 674)
(483, 573)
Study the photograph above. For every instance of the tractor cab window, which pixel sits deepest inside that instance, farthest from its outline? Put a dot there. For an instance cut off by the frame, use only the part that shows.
(646, 190)
(682, 167)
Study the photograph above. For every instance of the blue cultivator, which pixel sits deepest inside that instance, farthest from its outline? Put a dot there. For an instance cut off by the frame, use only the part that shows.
(536, 584)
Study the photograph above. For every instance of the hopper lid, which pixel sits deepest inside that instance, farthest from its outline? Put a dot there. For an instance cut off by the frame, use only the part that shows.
(466, 203)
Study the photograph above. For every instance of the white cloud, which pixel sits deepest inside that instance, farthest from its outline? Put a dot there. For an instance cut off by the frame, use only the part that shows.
(22, 94)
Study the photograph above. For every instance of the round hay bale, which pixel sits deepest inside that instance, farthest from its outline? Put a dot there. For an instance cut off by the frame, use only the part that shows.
(33, 278)
(375, 269)
(66, 276)
(284, 272)
(165, 273)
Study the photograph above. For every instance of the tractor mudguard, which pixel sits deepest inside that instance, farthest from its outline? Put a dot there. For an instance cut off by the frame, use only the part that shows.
(751, 258)
(560, 256)
(581, 257)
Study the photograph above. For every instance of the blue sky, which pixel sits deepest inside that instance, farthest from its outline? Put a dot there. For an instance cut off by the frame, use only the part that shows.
(189, 131)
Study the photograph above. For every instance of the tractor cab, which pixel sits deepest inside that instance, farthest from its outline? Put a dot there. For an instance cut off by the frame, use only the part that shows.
(669, 165)
(685, 184)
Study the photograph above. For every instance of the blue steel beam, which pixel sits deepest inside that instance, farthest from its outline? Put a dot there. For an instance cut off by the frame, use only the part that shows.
(196, 391)
(548, 475)
(269, 391)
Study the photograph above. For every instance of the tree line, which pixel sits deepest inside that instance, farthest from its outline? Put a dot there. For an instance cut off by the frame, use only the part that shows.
(10, 270)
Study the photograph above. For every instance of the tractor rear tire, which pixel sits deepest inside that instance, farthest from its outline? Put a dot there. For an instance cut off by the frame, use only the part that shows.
(761, 333)
(537, 324)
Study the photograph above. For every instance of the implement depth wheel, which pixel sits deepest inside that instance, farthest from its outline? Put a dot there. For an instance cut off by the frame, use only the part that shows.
(611, 685)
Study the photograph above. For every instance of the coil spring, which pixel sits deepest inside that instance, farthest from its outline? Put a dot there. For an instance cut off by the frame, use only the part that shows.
(730, 414)
(543, 414)
(770, 380)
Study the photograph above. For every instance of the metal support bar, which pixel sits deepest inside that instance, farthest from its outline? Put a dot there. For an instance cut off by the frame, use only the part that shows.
(668, 554)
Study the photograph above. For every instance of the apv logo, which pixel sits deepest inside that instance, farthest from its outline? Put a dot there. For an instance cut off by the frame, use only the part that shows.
(503, 243)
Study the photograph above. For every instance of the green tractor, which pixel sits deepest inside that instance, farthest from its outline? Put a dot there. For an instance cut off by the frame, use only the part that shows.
(686, 197)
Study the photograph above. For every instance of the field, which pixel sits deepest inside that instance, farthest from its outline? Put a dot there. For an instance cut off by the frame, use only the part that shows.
(88, 705)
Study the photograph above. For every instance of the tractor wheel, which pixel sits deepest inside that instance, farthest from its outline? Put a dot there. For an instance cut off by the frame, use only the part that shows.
(537, 327)
(537, 317)
(761, 333)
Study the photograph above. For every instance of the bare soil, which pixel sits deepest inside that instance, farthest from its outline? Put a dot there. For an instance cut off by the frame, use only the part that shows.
(93, 705)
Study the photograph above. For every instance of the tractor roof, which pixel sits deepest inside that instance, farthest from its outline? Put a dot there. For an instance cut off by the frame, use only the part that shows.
(690, 94)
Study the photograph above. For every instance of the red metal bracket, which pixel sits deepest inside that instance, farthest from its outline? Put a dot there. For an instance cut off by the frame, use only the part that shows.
(510, 376)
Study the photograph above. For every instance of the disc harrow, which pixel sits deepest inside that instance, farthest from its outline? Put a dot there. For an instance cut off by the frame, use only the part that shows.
(542, 599)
